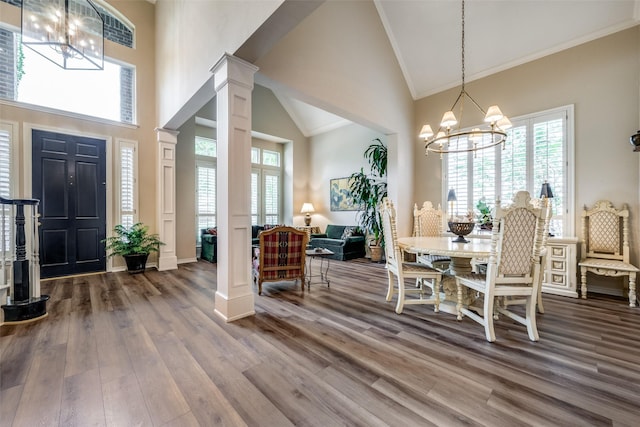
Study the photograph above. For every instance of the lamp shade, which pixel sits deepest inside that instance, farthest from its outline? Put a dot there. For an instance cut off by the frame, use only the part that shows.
(448, 120)
(493, 114)
(451, 197)
(307, 208)
(426, 132)
(546, 191)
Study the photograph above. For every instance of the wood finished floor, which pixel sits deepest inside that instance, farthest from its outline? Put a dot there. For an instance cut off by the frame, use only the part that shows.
(148, 350)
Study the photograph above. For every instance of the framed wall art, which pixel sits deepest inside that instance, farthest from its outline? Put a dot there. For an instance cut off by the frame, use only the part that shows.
(340, 195)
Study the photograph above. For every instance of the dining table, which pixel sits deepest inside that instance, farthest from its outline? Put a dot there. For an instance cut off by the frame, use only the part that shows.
(462, 256)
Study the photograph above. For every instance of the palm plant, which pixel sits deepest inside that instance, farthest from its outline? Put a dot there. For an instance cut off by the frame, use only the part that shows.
(369, 190)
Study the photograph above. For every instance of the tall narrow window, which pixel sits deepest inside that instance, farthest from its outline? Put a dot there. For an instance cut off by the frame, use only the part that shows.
(6, 180)
(266, 185)
(128, 182)
(255, 199)
(272, 198)
(206, 150)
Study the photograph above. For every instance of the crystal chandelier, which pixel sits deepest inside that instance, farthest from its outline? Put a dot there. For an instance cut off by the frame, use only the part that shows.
(69, 33)
(450, 139)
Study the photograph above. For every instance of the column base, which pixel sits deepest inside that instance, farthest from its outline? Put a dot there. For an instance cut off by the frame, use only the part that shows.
(234, 308)
(31, 309)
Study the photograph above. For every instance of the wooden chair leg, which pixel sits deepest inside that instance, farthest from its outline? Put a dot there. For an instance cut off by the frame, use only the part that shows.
(532, 328)
(488, 317)
(390, 288)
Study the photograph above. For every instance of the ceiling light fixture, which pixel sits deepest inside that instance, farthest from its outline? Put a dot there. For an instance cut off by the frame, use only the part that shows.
(69, 33)
(453, 140)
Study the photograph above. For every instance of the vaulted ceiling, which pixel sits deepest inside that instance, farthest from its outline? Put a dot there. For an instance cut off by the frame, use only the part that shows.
(499, 34)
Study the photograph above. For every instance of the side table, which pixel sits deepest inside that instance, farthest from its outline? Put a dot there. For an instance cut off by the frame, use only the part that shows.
(323, 254)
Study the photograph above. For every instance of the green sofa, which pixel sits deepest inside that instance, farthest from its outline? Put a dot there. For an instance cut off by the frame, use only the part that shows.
(343, 247)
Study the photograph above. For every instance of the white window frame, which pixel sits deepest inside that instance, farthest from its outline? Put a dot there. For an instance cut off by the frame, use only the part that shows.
(209, 164)
(568, 215)
(12, 129)
(123, 144)
(263, 171)
(206, 162)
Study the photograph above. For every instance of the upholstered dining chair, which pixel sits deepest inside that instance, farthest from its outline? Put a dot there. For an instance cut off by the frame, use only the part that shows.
(282, 255)
(513, 269)
(605, 245)
(401, 270)
(427, 222)
(545, 205)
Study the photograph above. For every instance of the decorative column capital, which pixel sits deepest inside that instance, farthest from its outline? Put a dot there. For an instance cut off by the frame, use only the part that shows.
(167, 135)
(232, 69)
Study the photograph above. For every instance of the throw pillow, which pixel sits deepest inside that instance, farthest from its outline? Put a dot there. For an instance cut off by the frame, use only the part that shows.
(348, 232)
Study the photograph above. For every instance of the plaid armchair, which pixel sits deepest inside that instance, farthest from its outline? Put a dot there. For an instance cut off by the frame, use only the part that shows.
(282, 255)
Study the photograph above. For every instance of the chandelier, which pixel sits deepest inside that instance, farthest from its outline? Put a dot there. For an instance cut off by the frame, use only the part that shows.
(450, 139)
(69, 33)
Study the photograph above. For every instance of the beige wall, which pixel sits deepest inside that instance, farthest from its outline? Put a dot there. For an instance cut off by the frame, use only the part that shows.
(336, 154)
(340, 59)
(601, 78)
(141, 14)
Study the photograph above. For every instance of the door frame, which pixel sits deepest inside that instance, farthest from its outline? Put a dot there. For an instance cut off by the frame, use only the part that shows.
(27, 167)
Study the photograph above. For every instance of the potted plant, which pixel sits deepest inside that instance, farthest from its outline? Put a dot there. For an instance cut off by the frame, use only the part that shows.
(485, 219)
(367, 192)
(134, 244)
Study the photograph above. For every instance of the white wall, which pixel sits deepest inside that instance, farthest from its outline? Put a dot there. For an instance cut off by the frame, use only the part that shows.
(336, 154)
(191, 36)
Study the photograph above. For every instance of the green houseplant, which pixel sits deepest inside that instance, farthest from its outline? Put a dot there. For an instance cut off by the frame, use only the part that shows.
(134, 244)
(368, 191)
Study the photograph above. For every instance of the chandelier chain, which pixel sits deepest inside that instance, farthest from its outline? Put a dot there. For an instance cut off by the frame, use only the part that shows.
(463, 45)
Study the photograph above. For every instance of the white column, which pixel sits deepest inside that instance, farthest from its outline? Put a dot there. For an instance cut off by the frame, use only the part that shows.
(233, 79)
(167, 139)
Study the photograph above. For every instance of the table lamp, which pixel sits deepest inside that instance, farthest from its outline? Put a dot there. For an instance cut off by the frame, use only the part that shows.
(547, 193)
(451, 197)
(307, 209)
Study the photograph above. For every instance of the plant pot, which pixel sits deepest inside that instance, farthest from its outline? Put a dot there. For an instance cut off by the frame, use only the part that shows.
(376, 253)
(136, 263)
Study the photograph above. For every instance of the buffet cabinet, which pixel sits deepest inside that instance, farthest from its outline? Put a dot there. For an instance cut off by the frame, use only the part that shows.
(560, 277)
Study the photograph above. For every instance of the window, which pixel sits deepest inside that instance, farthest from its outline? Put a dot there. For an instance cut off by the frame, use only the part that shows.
(539, 148)
(206, 153)
(7, 174)
(266, 186)
(27, 77)
(270, 158)
(128, 161)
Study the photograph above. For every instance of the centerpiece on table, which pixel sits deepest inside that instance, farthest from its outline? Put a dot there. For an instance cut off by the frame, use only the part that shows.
(461, 226)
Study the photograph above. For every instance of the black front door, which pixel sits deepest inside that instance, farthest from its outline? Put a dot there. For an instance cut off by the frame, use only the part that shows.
(69, 179)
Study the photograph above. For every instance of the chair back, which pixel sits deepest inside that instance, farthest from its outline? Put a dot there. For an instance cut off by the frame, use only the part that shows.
(427, 221)
(605, 232)
(282, 254)
(516, 241)
(391, 249)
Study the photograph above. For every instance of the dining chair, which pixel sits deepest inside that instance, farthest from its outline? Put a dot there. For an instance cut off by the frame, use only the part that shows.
(513, 269)
(545, 205)
(400, 269)
(605, 245)
(427, 222)
(282, 255)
